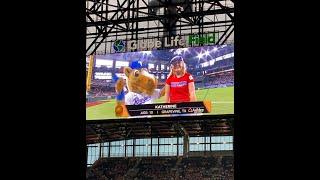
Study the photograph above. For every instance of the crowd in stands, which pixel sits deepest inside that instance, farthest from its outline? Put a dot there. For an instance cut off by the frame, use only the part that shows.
(163, 168)
(101, 92)
(100, 82)
(111, 168)
(157, 168)
(227, 169)
(101, 88)
(207, 168)
(225, 79)
(224, 63)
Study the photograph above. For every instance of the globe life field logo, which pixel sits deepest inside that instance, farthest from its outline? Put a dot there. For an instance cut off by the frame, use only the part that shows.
(166, 42)
(118, 46)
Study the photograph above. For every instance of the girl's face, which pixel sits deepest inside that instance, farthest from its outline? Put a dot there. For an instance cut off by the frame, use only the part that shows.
(177, 67)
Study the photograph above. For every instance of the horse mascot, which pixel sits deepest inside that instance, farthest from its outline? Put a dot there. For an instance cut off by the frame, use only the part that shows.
(141, 87)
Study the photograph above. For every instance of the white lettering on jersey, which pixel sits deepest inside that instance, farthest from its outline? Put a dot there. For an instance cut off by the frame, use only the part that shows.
(132, 98)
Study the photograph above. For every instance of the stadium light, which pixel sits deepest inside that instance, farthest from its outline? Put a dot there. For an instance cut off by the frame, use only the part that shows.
(200, 55)
(215, 49)
(207, 53)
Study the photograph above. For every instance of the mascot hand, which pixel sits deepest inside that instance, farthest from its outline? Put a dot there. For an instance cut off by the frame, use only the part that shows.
(162, 92)
(119, 109)
(120, 84)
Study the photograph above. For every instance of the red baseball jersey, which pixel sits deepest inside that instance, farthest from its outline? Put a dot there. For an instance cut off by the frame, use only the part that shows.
(179, 90)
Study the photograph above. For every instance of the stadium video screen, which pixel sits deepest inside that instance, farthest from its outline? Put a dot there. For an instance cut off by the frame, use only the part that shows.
(170, 82)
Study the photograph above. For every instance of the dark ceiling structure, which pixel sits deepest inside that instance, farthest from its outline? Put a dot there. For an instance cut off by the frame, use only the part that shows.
(108, 20)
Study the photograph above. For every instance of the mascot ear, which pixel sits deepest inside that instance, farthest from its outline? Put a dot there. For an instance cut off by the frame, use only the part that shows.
(127, 71)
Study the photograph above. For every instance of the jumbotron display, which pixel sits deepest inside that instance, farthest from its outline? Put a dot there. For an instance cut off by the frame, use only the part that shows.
(170, 82)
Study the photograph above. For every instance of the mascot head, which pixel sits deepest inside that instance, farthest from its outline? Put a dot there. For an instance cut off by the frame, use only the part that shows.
(139, 80)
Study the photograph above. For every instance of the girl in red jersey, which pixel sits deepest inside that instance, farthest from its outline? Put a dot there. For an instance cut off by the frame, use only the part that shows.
(180, 84)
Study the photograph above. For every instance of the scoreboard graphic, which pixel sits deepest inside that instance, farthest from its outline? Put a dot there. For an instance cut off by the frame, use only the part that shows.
(211, 67)
(165, 109)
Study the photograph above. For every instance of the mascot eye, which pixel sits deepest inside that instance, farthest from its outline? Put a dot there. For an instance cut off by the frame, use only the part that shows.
(136, 73)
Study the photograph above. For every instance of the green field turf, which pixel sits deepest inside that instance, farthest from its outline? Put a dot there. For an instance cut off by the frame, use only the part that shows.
(222, 103)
